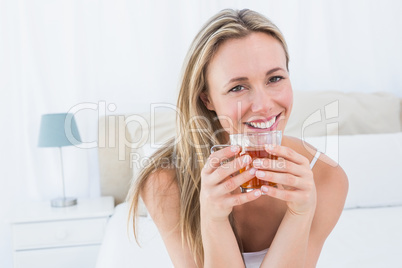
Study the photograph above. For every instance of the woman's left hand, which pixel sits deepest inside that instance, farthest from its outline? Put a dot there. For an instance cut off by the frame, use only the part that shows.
(292, 171)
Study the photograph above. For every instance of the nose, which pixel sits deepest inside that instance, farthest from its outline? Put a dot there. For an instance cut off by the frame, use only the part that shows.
(261, 101)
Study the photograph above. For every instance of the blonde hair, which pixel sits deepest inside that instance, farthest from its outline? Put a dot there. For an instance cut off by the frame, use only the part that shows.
(197, 126)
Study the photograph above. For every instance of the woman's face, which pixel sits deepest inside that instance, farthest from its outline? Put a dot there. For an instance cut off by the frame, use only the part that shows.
(248, 85)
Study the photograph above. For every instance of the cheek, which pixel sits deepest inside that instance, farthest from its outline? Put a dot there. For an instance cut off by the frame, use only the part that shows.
(230, 115)
(286, 100)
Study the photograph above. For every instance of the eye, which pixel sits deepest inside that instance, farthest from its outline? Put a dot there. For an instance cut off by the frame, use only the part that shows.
(237, 89)
(275, 79)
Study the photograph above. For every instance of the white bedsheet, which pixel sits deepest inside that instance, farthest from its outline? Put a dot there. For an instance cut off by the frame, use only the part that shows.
(369, 238)
(366, 237)
(119, 248)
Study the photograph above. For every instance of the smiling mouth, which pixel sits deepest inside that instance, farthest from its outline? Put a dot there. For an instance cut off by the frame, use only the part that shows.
(260, 124)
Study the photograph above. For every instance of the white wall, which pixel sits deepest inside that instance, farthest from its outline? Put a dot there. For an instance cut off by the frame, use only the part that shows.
(61, 55)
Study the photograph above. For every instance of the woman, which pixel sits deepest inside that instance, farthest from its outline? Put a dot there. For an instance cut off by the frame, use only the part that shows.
(236, 80)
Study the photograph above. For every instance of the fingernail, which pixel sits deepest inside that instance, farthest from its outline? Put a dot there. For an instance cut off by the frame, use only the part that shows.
(252, 171)
(246, 159)
(257, 193)
(264, 189)
(269, 147)
(260, 173)
(234, 148)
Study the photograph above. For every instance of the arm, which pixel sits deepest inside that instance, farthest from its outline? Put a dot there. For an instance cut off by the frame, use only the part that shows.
(161, 197)
(289, 247)
(217, 201)
(220, 245)
(313, 209)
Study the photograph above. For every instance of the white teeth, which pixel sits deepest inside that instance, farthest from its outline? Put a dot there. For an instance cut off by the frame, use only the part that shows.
(263, 125)
(272, 121)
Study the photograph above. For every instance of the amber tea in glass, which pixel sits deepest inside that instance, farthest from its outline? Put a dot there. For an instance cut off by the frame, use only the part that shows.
(253, 145)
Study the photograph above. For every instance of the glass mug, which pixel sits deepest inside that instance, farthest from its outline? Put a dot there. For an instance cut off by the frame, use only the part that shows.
(253, 145)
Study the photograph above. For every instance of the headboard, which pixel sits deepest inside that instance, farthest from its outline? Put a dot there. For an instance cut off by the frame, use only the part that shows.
(124, 139)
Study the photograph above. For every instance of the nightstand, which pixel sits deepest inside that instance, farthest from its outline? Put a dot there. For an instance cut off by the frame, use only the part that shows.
(44, 236)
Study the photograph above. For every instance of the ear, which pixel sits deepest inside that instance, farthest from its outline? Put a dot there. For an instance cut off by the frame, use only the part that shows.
(205, 99)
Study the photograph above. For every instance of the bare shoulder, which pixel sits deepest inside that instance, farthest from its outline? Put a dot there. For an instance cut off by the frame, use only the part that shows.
(160, 180)
(326, 170)
(161, 197)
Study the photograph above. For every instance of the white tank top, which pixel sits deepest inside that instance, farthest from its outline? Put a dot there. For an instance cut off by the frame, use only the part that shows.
(254, 259)
(317, 154)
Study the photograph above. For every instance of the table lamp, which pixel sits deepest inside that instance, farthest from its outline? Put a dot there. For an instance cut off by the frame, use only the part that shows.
(58, 130)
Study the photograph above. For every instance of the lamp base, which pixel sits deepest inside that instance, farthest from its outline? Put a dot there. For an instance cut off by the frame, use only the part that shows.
(64, 202)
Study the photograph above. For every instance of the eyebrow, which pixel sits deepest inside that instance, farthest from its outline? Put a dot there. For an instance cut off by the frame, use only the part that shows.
(238, 79)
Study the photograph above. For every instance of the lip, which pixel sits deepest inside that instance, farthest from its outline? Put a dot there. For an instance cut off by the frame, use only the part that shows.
(273, 127)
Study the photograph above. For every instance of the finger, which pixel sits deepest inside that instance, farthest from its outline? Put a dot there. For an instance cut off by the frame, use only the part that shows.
(233, 183)
(279, 165)
(242, 198)
(284, 179)
(216, 158)
(290, 196)
(227, 169)
(287, 153)
(282, 194)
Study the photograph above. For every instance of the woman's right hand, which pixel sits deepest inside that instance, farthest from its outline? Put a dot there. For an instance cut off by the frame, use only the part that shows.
(217, 198)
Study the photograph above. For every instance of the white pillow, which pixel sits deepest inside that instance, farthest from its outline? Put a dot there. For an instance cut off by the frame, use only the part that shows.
(373, 164)
(320, 113)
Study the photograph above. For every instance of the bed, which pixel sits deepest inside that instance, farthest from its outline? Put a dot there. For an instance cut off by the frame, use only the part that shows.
(360, 131)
